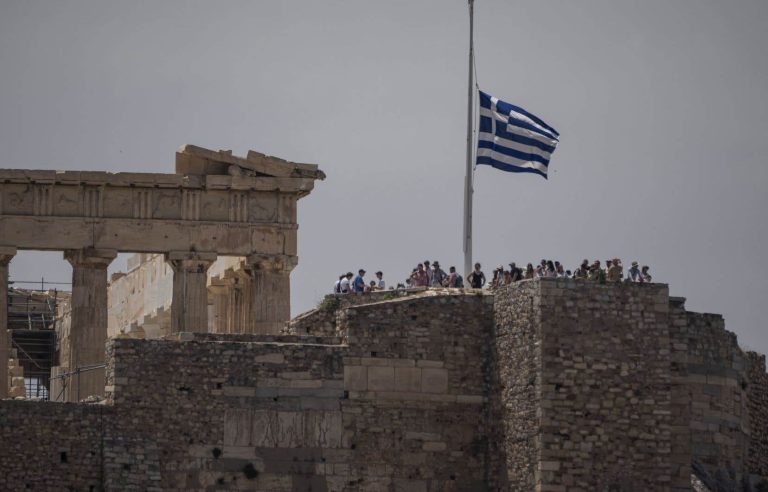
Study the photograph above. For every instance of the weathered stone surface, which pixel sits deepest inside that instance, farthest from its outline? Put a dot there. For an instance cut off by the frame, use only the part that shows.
(545, 385)
(6, 255)
(189, 308)
(88, 332)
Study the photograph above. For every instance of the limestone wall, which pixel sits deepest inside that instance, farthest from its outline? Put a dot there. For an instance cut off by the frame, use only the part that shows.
(517, 368)
(605, 386)
(139, 300)
(757, 397)
(717, 382)
(547, 385)
(323, 320)
(51, 446)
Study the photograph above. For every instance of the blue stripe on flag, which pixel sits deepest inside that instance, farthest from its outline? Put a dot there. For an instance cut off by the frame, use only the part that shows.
(485, 100)
(508, 167)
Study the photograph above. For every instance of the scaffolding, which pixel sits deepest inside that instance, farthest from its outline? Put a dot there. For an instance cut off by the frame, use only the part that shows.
(32, 325)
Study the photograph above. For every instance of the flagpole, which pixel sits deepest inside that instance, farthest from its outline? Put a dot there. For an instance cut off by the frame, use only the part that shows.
(468, 191)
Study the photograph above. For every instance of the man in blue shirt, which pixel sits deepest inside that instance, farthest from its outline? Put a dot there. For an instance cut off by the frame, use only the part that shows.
(358, 285)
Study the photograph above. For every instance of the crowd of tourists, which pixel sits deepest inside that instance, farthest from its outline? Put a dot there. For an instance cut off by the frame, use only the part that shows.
(613, 272)
(431, 274)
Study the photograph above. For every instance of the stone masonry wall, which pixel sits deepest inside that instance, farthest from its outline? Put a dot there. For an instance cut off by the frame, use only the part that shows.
(417, 378)
(757, 397)
(717, 382)
(681, 395)
(323, 320)
(517, 381)
(402, 408)
(605, 387)
(547, 385)
(602, 361)
(52, 446)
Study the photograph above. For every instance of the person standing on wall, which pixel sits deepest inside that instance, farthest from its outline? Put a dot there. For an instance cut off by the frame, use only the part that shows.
(358, 285)
(476, 278)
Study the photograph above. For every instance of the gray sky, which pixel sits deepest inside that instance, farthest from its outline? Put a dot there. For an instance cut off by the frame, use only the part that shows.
(661, 106)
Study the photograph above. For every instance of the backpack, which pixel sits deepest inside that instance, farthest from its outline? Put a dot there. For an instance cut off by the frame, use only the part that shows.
(459, 281)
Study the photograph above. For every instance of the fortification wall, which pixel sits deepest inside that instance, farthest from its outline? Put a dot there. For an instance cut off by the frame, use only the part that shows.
(547, 385)
(595, 361)
(52, 446)
(398, 410)
(323, 320)
(757, 403)
(716, 379)
(516, 360)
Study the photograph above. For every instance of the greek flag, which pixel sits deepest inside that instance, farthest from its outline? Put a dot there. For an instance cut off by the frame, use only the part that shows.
(512, 139)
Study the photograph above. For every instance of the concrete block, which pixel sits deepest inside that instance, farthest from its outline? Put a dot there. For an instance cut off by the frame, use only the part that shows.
(407, 379)
(434, 380)
(381, 378)
(356, 378)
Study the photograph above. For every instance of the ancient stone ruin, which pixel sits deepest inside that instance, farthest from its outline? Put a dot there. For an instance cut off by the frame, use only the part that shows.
(544, 385)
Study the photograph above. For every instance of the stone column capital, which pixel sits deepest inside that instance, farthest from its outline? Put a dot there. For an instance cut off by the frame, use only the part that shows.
(90, 257)
(190, 261)
(271, 263)
(6, 255)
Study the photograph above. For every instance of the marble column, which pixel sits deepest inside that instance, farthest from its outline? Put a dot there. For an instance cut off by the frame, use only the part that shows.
(234, 306)
(218, 292)
(189, 305)
(6, 254)
(269, 293)
(88, 332)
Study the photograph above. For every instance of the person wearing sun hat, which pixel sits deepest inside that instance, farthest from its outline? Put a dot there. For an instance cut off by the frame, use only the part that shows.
(614, 271)
(634, 274)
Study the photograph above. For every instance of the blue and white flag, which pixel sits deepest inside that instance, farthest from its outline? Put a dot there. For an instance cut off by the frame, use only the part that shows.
(512, 139)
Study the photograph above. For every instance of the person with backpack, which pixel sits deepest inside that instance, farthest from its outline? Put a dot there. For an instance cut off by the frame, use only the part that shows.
(438, 275)
(344, 285)
(455, 280)
(337, 285)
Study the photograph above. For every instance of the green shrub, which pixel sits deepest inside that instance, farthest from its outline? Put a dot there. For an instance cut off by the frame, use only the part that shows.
(329, 303)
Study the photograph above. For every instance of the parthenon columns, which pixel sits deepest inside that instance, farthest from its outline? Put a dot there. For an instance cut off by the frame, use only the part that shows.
(6, 254)
(218, 297)
(270, 292)
(189, 307)
(88, 333)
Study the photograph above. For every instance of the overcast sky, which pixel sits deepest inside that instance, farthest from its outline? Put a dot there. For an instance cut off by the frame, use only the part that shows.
(661, 107)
